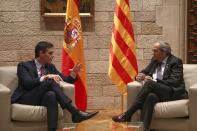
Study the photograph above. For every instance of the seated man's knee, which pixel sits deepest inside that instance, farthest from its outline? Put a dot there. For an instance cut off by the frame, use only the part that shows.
(48, 83)
(149, 84)
(50, 94)
(152, 97)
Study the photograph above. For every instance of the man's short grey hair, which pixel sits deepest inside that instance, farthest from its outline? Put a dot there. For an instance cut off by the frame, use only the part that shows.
(165, 47)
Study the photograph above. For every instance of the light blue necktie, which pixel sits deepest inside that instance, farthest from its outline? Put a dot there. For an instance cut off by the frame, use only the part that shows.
(159, 71)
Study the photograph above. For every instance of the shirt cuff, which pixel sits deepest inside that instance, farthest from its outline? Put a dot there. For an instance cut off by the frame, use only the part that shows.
(155, 80)
(73, 76)
(42, 78)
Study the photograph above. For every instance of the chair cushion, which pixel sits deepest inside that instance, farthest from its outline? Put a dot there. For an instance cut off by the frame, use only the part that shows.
(172, 109)
(22, 112)
(190, 71)
(8, 77)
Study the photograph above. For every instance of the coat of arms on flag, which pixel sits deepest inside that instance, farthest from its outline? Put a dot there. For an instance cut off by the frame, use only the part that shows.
(72, 32)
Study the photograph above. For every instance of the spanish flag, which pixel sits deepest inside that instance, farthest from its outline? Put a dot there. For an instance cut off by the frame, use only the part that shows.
(73, 53)
(122, 59)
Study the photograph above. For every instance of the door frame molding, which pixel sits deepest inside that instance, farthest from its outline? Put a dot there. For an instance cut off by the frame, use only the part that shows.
(175, 26)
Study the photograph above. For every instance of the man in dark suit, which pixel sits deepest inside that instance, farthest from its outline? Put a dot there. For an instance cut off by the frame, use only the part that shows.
(163, 81)
(39, 84)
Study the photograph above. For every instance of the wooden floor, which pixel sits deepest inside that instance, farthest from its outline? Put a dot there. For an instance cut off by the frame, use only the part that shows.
(99, 122)
(105, 115)
(103, 122)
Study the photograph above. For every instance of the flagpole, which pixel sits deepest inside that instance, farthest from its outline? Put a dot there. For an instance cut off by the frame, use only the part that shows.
(122, 103)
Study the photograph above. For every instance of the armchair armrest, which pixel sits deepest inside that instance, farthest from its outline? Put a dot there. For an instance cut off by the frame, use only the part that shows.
(69, 90)
(5, 103)
(132, 90)
(193, 106)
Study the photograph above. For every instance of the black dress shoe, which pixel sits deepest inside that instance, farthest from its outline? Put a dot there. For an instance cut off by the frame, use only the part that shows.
(83, 116)
(121, 118)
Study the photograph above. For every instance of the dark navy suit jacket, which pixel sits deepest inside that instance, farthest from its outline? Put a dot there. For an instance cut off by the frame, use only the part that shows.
(28, 78)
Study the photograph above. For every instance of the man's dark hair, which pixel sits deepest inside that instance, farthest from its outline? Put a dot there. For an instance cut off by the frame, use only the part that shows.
(42, 46)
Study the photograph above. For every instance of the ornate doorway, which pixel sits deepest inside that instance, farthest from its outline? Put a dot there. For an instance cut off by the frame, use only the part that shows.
(192, 32)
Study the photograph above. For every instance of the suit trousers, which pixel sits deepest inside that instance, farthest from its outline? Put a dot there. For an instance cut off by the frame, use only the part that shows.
(151, 93)
(48, 94)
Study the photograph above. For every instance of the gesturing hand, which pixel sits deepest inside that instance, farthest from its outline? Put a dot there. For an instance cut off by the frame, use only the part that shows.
(75, 70)
(140, 77)
(148, 78)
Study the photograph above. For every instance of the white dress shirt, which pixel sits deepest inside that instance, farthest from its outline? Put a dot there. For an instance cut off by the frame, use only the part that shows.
(163, 65)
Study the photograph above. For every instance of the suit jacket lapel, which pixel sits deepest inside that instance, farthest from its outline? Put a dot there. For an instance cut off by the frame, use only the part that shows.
(166, 66)
(153, 68)
(34, 68)
(47, 68)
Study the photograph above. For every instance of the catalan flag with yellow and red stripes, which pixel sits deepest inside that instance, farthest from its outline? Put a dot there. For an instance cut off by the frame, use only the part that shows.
(73, 53)
(122, 59)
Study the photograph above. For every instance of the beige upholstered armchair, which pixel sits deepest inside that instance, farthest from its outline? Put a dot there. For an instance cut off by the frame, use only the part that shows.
(18, 117)
(179, 115)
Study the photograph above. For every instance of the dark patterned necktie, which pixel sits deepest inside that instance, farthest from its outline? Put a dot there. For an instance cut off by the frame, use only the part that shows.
(42, 71)
(159, 71)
